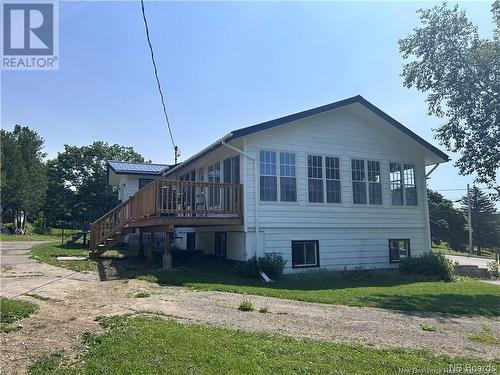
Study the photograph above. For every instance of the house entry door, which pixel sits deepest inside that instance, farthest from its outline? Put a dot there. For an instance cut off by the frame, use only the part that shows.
(220, 244)
(191, 241)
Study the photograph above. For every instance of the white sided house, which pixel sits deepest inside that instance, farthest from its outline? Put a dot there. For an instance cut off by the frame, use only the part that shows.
(334, 187)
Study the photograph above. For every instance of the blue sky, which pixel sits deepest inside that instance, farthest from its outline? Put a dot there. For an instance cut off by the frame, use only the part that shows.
(223, 66)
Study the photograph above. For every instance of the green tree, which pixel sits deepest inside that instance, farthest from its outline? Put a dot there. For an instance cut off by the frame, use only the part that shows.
(24, 182)
(447, 223)
(461, 74)
(485, 226)
(78, 188)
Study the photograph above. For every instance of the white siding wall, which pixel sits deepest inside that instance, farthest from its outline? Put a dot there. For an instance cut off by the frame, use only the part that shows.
(129, 184)
(349, 234)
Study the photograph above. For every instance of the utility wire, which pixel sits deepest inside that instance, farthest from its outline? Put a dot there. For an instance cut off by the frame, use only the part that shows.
(158, 80)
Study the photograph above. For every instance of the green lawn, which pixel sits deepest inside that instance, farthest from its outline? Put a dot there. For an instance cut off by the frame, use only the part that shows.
(48, 253)
(34, 237)
(154, 346)
(54, 235)
(382, 289)
(12, 310)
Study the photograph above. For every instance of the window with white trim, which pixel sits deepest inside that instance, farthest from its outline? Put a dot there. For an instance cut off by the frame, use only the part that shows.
(213, 175)
(410, 186)
(201, 174)
(305, 254)
(396, 182)
(268, 179)
(403, 186)
(358, 181)
(374, 182)
(398, 249)
(315, 178)
(332, 174)
(288, 180)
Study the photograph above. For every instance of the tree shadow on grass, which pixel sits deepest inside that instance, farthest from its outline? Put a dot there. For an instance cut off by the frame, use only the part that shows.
(449, 304)
(210, 270)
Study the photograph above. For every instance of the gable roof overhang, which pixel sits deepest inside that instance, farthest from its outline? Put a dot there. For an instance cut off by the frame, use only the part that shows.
(439, 156)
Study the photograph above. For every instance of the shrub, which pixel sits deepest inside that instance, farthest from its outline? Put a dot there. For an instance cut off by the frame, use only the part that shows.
(271, 264)
(142, 295)
(264, 310)
(434, 265)
(246, 306)
(250, 268)
(494, 269)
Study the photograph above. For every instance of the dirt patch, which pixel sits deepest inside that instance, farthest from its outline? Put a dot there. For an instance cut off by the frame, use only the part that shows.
(76, 299)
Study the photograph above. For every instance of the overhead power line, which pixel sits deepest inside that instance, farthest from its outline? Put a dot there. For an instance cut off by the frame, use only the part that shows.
(176, 149)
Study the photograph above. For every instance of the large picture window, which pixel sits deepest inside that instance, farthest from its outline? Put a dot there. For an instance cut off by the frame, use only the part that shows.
(278, 175)
(332, 169)
(358, 181)
(305, 254)
(268, 179)
(399, 249)
(288, 183)
(315, 178)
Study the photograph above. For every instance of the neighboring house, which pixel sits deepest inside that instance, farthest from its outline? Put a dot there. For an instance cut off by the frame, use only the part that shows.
(129, 177)
(338, 186)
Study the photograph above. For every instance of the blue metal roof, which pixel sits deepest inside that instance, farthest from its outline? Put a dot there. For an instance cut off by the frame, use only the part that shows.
(126, 167)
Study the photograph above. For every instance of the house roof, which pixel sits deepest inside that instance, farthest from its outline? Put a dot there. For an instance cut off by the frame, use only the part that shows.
(242, 132)
(126, 167)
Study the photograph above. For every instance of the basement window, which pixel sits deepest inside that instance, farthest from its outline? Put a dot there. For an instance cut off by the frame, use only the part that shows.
(399, 249)
(305, 254)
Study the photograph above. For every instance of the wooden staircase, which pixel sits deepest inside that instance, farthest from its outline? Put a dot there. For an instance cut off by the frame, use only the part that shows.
(108, 230)
(167, 203)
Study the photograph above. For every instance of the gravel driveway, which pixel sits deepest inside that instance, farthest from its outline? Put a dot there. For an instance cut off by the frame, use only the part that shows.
(76, 299)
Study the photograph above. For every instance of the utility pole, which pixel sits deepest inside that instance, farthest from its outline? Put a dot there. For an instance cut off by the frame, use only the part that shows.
(469, 220)
(177, 153)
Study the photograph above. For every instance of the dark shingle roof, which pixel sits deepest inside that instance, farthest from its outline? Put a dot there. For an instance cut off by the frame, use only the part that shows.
(311, 112)
(126, 167)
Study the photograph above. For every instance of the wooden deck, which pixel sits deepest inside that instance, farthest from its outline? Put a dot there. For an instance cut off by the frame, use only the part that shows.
(164, 203)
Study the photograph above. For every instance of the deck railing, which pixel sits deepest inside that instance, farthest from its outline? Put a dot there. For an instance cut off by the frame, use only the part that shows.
(174, 199)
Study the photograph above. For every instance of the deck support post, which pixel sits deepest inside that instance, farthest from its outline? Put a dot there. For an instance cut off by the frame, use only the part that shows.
(167, 254)
(149, 250)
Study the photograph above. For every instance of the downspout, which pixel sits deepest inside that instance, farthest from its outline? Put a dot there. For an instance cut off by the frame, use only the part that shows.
(427, 216)
(256, 197)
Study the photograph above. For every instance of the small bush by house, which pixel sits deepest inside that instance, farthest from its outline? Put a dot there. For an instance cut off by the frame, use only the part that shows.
(271, 264)
(434, 265)
(494, 269)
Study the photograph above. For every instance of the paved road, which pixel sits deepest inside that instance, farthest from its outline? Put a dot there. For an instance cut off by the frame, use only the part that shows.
(471, 261)
(23, 275)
